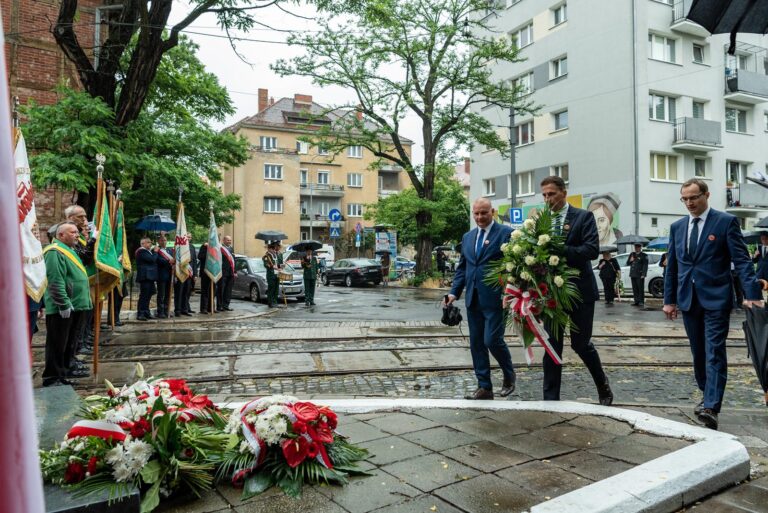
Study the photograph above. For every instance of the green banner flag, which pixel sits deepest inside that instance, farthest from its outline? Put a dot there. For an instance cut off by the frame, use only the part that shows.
(121, 242)
(213, 257)
(105, 254)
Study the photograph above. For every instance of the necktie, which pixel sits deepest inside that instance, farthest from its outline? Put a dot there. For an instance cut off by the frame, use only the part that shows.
(479, 243)
(694, 242)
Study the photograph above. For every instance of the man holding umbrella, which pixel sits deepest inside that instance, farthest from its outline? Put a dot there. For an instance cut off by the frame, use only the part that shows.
(272, 262)
(309, 264)
(638, 270)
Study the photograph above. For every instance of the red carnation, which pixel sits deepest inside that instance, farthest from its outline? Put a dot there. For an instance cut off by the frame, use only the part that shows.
(535, 309)
(313, 450)
(305, 411)
(299, 427)
(543, 289)
(140, 428)
(92, 465)
(74, 473)
(533, 293)
(551, 304)
(295, 451)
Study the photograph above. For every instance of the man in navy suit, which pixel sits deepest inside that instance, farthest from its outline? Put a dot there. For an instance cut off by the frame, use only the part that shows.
(581, 247)
(485, 313)
(761, 257)
(146, 276)
(702, 246)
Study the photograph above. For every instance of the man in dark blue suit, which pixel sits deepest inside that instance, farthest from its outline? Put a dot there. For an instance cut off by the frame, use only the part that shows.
(698, 282)
(485, 314)
(165, 266)
(581, 247)
(146, 276)
(761, 257)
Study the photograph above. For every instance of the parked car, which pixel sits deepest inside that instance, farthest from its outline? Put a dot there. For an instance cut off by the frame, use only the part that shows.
(353, 271)
(251, 280)
(401, 263)
(654, 281)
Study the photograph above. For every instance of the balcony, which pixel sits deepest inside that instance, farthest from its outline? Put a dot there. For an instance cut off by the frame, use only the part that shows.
(682, 24)
(746, 198)
(694, 134)
(746, 86)
(390, 168)
(383, 193)
(318, 221)
(271, 149)
(322, 189)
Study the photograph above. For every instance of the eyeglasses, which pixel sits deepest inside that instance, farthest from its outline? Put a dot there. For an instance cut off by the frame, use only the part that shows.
(690, 199)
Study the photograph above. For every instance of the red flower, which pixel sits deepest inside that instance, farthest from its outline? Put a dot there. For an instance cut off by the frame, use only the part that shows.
(305, 411)
(313, 450)
(176, 384)
(140, 428)
(295, 451)
(533, 293)
(551, 304)
(535, 309)
(330, 417)
(299, 427)
(198, 401)
(92, 465)
(74, 473)
(543, 289)
(320, 432)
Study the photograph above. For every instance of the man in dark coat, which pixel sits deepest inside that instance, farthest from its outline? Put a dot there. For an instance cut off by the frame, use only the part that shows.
(638, 270)
(165, 265)
(310, 266)
(224, 286)
(581, 247)
(761, 257)
(146, 276)
(609, 271)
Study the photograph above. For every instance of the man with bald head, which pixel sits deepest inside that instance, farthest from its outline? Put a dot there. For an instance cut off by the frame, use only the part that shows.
(485, 313)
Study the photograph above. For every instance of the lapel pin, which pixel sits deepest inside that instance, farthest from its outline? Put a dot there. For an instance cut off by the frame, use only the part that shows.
(486, 242)
(711, 237)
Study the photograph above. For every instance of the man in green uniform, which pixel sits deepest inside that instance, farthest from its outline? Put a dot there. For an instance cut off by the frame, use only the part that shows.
(272, 262)
(67, 299)
(309, 264)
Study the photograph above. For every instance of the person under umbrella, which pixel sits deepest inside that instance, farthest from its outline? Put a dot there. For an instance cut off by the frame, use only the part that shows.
(609, 271)
(273, 261)
(310, 266)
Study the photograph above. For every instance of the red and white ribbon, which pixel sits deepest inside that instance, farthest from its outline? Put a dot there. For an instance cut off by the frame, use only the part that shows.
(519, 303)
(101, 429)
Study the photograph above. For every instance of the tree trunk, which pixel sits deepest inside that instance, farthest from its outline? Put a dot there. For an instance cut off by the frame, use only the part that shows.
(423, 244)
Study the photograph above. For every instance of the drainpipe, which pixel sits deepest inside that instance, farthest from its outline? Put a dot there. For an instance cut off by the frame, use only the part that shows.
(636, 178)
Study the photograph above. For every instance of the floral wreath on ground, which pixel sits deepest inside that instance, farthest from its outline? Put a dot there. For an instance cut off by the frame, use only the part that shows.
(537, 282)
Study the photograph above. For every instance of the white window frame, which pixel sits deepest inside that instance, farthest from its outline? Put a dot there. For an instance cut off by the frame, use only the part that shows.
(524, 128)
(273, 205)
(765, 121)
(739, 61)
(738, 113)
(268, 142)
(304, 235)
(302, 148)
(354, 180)
(561, 171)
(559, 67)
(655, 174)
(557, 119)
(355, 152)
(489, 187)
(323, 151)
(525, 184)
(525, 82)
(303, 176)
(517, 35)
(667, 45)
(703, 161)
(703, 49)
(741, 168)
(703, 109)
(273, 171)
(668, 105)
(354, 210)
(326, 174)
(560, 11)
(303, 207)
(323, 207)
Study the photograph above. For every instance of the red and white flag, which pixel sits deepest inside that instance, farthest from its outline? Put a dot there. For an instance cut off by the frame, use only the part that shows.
(181, 247)
(35, 280)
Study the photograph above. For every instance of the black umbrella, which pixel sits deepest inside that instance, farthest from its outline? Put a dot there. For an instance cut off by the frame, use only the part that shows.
(756, 335)
(763, 223)
(632, 239)
(156, 223)
(730, 17)
(607, 249)
(268, 235)
(444, 248)
(306, 244)
(751, 237)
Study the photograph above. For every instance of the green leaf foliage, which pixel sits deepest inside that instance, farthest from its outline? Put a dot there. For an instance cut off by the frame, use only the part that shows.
(256, 484)
(150, 474)
(151, 498)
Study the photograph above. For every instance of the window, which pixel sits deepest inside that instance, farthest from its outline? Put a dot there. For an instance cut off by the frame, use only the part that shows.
(489, 187)
(559, 15)
(561, 171)
(698, 110)
(268, 143)
(302, 148)
(273, 172)
(661, 48)
(524, 84)
(735, 120)
(522, 37)
(303, 174)
(354, 210)
(323, 177)
(303, 207)
(524, 133)
(700, 168)
(561, 120)
(735, 171)
(355, 152)
(765, 121)
(559, 67)
(663, 167)
(304, 235)
(525, 183)
(661, 108)
(273, 205)
(323, 208)
(654, 222)
(738, 61)
(322, 150)
(355, 179)
(698, 53)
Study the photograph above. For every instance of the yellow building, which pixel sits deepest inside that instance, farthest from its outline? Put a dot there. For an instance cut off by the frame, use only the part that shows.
(288, 185)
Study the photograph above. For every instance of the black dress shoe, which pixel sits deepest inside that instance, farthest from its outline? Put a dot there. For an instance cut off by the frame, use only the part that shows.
(141, 318)
(708, 417)
(481, 394)
(507, 387)
(188, 314)
(698, 408)
(118, 323)
(604, 394)
(228, 309)
(51, 382)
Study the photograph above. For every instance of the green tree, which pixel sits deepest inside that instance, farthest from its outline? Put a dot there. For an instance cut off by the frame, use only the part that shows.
(169, 144)
(449, 212)
(430, 58)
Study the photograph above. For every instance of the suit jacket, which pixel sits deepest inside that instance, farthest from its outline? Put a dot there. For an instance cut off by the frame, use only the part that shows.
(762, 264)
(638, 265)
(470, 273)
(709, 269)
(582, 245)
(164, 267)
(146, 265)
(227, 266)
(202, 255)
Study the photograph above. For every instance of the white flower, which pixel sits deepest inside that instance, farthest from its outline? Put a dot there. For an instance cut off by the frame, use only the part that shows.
(510, 267)
(530, 260)
(504, 247)
(139, 451)
(543, 239)
(516, 234)
(559, 281)
(244, 447)
(122, 472)
(554, 260)
(525, 276)
(529, 224)
(115, 455)
(517, 249)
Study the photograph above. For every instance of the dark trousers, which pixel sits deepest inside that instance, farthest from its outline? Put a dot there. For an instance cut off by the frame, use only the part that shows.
(486, 335)
(181, 291)
(163, 289)
(146, 291)
(60, 344)
(273, 286)
(309, 291)
(707, 331)
(638, 290)
(205, 293)
(581, 343)
(224, 292)
(117, 303)
(609, 289)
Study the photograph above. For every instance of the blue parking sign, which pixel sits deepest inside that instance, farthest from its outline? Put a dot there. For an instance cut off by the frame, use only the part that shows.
(516, 215)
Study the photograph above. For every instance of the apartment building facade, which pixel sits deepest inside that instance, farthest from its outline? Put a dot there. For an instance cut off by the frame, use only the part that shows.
(633, 100)
(288, 185)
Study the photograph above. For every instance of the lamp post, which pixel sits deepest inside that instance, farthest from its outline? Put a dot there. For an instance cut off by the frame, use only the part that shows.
(512, 171)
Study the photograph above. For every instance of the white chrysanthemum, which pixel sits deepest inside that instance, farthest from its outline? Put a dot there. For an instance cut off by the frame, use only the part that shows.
(509, 267)
(233, 425)
(516, 234)
(517, 249)
(115, 455)
(543, 239)
(559, 281)
(115, 417)
(121, 472)
(504, 247)
(139, 451)
(244, 447)
(525, 276)
(554, 260)
(529, 224)
(530, 260)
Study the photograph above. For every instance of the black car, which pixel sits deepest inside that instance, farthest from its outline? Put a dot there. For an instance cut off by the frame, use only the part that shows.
(351, 271)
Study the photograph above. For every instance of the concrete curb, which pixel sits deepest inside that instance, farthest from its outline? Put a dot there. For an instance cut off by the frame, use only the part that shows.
(665, 484)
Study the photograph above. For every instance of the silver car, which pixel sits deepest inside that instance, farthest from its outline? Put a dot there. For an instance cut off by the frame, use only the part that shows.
(251, 280)
(654, 280)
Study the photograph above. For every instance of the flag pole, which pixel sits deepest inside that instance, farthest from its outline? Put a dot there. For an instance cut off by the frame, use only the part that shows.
(111, 210)
(100, 159)
(175, 251)
(213, 284)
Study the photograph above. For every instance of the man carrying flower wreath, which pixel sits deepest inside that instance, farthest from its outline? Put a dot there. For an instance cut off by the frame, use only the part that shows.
(485, 314)
(581, 247)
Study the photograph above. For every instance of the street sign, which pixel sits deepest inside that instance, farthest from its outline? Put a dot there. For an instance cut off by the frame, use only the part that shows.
(357, 239)
(335, 224)
(358, 227)
(335, 233)
(334, 215)
(163, 212)
(516, 215)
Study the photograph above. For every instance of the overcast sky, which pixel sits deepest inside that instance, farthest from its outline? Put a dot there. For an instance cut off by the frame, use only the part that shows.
(243, 79)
